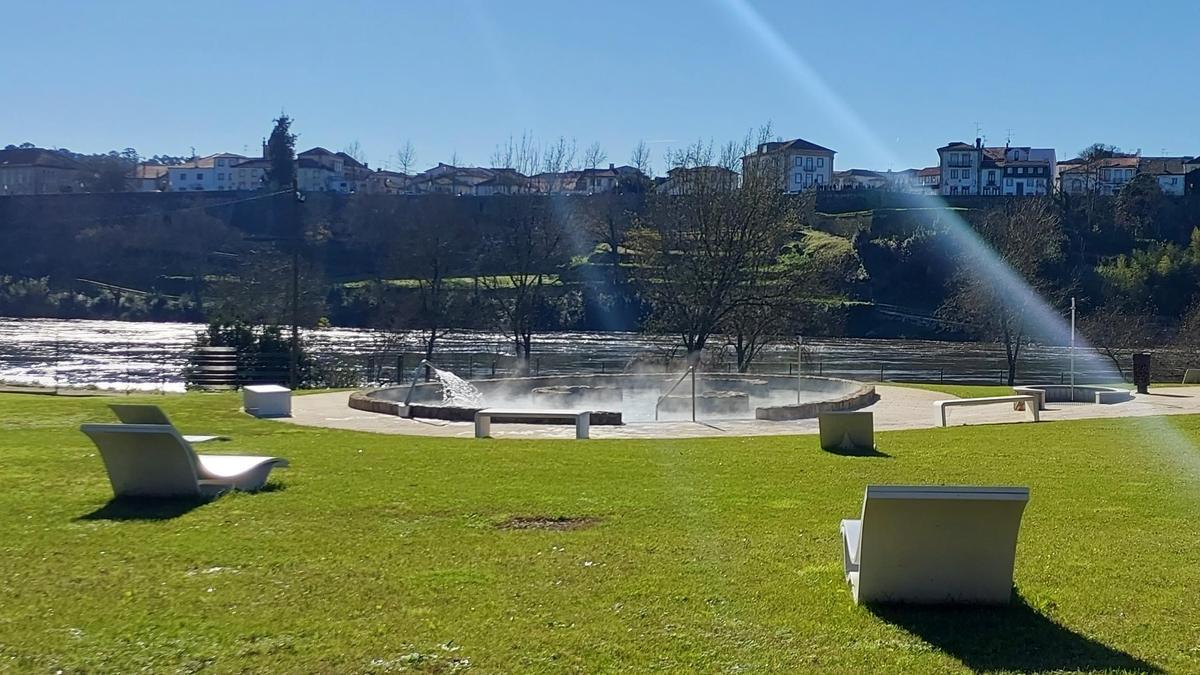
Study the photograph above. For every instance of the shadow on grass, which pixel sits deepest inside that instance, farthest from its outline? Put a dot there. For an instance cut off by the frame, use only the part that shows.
(1015, 638)
(856, 452)
(145, 508)
(132, 508)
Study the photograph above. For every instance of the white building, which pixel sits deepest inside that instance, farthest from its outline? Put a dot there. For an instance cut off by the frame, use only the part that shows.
(1008, 170)
(960, 165)
(1026, 171)
(1171, 172)
(1104, 176)
(205, 174)
(251, 174)
(802, 164)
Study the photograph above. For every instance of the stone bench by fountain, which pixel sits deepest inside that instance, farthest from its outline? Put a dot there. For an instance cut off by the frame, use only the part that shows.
(576, 395)
(708, 403)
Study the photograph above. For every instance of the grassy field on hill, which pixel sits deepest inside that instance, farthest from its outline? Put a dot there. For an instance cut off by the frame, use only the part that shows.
(387, 553)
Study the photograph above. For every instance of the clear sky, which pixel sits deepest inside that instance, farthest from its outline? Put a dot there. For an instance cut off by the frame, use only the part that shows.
(883, 83)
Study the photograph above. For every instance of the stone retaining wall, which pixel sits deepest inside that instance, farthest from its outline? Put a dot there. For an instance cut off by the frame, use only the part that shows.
(861, 396)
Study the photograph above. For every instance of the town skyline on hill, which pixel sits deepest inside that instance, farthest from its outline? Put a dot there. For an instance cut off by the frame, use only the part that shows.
(881, 87)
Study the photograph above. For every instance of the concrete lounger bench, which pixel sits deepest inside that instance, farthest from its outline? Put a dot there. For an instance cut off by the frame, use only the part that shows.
(847, 431)
(1032, 403)
(483, 419)
(933, 544)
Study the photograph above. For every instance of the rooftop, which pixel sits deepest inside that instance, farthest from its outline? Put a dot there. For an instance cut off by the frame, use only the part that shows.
(794, 145)
(39, 157)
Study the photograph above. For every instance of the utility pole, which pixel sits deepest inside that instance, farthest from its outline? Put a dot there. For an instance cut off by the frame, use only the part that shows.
(297, 238)
(1072, 348)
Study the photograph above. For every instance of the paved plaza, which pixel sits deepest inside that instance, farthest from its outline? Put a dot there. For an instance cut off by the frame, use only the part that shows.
(897, 408)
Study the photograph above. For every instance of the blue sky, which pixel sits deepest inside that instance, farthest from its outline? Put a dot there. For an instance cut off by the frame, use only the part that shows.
(883, 83)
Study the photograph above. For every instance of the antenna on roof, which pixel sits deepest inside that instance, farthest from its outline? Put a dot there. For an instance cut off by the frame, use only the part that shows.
(1008, 138)
(978, 130)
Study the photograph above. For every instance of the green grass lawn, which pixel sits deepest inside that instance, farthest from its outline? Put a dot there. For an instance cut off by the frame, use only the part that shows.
(383, 553)
(959, 390)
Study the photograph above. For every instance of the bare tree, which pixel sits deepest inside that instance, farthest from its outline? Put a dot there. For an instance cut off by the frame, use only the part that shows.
(516, 269)
(559, 156)
(691, 156)
(1028, 236)
(354, 149)
(594, 156)
(406, 157)
(1115, 330)
(523, 156)
(640, 158)
(711, 250)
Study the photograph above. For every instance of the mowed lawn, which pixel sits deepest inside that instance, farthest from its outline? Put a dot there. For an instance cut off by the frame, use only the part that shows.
(385, 553)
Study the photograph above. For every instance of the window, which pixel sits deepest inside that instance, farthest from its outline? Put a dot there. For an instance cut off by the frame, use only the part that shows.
(820, 162)
(954, 173)
(220, 162)
(220, 176)
(808, 163)
(1008, 182)
(817, 179)
(799, 161)
(183, 176)
(991, 176)
(199, 176)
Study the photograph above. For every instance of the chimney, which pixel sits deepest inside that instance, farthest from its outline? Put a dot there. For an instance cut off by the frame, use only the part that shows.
(264, 144)
(978, 143)
(611, 166)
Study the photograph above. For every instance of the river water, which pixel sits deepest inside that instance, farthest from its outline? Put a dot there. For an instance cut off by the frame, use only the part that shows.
(151, 356)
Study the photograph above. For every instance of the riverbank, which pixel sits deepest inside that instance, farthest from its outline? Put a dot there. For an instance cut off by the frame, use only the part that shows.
(137, 356)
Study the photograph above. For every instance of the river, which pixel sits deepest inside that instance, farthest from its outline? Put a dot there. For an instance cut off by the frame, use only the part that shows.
(151, 356)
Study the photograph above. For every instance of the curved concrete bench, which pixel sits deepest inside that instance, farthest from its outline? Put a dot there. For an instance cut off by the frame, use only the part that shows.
(1080, 393)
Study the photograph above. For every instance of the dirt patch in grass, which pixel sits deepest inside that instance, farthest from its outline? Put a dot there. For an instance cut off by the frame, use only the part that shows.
(548, 523)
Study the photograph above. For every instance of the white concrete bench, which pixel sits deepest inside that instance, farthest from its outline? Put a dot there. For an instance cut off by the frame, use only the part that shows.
(1031, 403)
(1112, 396)
(267, 400)
(581, 418)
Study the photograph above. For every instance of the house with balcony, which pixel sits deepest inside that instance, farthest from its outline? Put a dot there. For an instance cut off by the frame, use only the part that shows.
(801, 164)
(960, 164)
(994, 171)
